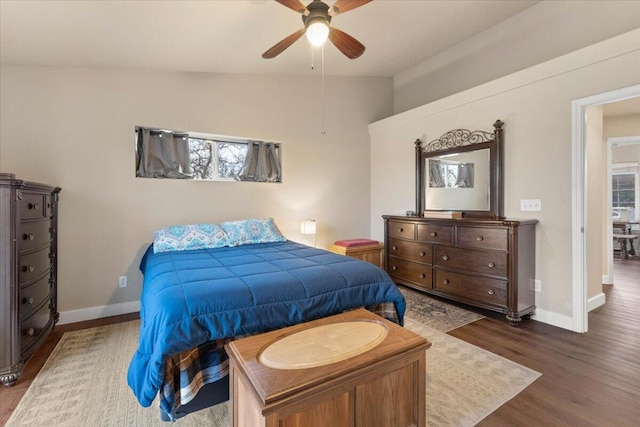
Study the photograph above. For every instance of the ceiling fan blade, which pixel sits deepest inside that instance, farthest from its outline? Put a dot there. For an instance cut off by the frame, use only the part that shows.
(346, 44)
(294, 5)
(277, 48)
(342, 6)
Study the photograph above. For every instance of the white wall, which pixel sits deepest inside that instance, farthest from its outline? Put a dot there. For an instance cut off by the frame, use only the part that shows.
(545, 31)
(74, 128)
(535, 105)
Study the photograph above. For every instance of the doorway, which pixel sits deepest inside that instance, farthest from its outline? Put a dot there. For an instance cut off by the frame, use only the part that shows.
(579, 197)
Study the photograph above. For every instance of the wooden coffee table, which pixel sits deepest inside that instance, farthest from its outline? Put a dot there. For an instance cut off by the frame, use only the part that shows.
(352, 369)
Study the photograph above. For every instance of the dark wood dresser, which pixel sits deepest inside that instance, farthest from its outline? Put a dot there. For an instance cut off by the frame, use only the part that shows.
(482, 262)
(28, 254)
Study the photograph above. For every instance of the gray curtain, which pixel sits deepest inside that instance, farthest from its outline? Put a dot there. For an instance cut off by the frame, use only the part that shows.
(162, 154)
(262, 163)
(436, 180)
(465, 175)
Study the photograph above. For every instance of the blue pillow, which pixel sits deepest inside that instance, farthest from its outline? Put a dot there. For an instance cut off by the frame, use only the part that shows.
(248, 231)
(188, 237)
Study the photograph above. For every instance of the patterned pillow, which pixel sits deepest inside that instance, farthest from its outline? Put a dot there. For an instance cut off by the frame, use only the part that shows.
(249, 231)
(188, 237)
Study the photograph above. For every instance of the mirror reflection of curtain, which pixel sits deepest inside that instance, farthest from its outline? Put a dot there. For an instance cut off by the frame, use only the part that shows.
(162, 154)
(465, 175)
(261, 164)
(436, 179)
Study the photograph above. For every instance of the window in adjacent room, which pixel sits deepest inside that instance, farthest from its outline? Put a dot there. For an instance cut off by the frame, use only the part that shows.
(162, 153)
(625, 188)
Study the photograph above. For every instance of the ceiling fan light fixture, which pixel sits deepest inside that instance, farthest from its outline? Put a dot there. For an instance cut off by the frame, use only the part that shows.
(317, 32)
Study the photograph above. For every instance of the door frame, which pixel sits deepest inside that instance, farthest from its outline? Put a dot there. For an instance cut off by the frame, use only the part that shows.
(579, 198)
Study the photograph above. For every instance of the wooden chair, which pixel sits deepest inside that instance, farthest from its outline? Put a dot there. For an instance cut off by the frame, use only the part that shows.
(623, 241)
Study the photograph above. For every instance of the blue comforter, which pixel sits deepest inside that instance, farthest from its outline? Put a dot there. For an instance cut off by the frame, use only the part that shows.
(191, 297)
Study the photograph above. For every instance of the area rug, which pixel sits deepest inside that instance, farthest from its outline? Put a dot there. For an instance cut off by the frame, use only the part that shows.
(83, 383)
(435, 313)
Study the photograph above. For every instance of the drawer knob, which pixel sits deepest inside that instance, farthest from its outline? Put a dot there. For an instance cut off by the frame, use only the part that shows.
(445, 282)
(491, 292)
(29, 236)
(27, 300)
(433, 234)
(445, 257)
(31, 331)
(480, 238)
(422, 275)
(491, 264)
(401, 230)
(422, 253)
(394, 268)
(33, 206)
(394, 248)
(29, 268)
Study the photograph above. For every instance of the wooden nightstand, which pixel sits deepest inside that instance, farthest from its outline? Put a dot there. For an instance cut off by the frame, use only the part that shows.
(373, 253)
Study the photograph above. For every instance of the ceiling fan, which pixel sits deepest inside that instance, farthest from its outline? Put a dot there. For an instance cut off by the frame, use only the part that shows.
(316, 17)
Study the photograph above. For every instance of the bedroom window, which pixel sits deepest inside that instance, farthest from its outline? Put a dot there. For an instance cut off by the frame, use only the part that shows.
(164, 153)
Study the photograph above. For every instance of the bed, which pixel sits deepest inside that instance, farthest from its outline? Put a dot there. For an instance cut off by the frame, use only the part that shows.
(194, 301)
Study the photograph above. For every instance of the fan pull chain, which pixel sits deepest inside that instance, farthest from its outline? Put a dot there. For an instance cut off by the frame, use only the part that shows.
(323, 129)
(312, 66)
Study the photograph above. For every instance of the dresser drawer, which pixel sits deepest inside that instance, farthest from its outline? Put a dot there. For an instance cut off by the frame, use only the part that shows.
(482, 238)
(492, 263)
(34, 327)
(32, 206)
(34, 234)
(410, 271)
(401, 230)
(32, 296)
(413, 251)
(440, 234)
(480, 289)
(33, 265)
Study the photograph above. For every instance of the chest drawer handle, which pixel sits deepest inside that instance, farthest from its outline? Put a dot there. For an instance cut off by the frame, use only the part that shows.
(33, 206)
(400, 230)
(394, 248)
(394, 268)
(422, 275)
(445, 257)
(491, 292)
(445, 282)
(27, 300)
(479, 238)
(491, 264)
(422, 253)
(433, 234)
(29, 236)
(31, 331)
(29, 268)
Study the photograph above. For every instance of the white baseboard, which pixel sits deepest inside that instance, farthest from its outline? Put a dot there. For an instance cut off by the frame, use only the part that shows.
(91, 313)
(607, 279)
(554, 319)
(595, 302)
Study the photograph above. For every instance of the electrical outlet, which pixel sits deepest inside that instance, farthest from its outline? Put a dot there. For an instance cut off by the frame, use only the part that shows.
(122, 282)
(537, 285)
(530, 205)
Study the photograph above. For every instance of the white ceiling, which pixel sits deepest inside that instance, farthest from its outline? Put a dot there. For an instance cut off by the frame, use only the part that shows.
(230, 36)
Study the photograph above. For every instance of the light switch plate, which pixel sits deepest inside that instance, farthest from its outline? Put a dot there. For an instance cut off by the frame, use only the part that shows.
(530, 205)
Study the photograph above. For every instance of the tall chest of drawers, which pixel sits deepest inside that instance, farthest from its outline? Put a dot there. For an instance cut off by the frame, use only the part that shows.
(482, 262)
(28, 263)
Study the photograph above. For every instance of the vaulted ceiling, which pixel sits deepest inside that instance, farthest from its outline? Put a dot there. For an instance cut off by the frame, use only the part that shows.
(230, 36)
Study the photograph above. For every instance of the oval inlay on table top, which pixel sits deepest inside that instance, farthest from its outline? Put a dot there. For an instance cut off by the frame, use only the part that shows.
(323, 345)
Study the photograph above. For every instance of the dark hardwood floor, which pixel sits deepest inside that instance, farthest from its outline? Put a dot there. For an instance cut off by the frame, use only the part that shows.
(590, 379)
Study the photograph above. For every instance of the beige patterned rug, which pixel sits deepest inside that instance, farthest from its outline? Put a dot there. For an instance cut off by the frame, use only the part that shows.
(83, 383)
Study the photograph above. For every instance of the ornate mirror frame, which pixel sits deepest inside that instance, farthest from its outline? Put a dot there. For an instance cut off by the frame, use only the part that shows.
(459, 141)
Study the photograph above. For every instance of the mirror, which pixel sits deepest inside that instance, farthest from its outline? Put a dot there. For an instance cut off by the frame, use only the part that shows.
(461, 172)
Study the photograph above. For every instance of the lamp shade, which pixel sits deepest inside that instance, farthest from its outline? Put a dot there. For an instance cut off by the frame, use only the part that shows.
(308, 226)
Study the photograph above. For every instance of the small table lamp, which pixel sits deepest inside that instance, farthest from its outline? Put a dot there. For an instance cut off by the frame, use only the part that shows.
(308, 226)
